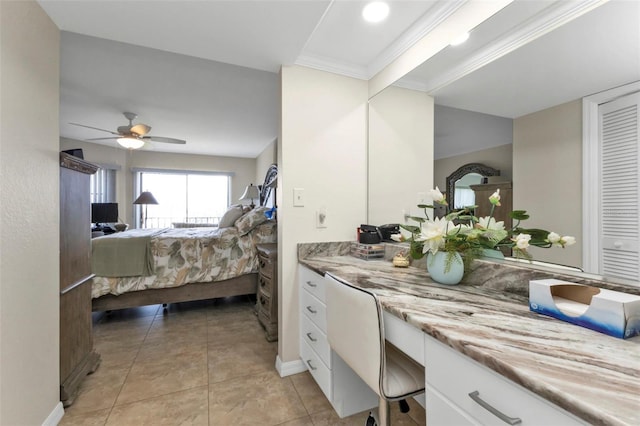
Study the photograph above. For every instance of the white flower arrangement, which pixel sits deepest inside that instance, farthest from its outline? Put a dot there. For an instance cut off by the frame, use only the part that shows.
(464, 233)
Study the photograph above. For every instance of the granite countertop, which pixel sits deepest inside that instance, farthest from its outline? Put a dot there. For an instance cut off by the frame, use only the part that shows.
(592, 375)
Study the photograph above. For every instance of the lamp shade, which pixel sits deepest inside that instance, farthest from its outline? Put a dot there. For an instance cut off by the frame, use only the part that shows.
(131, 143)
(250, 193)
(146, 198)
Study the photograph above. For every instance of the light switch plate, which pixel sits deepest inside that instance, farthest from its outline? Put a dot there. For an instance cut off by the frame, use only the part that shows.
(298, 197)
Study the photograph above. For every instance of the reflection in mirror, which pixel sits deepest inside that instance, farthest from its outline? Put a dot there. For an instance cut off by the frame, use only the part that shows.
(463, 194)
(463, 177)
(400, 157)
(538, 88)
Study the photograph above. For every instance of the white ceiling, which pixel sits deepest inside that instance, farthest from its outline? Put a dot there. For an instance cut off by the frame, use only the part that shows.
(596, 51)
(206, 71)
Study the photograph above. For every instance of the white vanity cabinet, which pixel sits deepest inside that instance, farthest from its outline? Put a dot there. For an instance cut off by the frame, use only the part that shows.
(453, 380)
(346, 392)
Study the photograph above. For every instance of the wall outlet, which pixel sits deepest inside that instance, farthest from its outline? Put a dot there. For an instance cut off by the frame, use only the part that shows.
(321, 218)
(298, 197)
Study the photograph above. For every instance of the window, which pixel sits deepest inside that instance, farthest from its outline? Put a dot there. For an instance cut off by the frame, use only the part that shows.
(183, 196)
(103, 185)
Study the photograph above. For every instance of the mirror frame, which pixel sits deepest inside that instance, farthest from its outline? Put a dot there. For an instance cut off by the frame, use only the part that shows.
(478, 168)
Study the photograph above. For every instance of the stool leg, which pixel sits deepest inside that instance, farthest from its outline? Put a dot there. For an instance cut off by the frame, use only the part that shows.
(384, 416)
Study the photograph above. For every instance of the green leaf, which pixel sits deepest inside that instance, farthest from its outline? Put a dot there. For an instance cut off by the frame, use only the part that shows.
(416, 250)
(418, 219)
(519, 215)
(425, 206)
(536, 234)
(411, 228)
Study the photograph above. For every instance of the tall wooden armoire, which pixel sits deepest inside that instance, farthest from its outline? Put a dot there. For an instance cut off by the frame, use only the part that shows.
(77, 357)
(500, 213)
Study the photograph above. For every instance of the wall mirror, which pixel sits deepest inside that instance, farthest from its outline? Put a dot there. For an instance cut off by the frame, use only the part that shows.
(458, 191)
(575, 55)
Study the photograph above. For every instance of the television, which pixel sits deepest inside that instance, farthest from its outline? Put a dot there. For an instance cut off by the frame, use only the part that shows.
(104, 213)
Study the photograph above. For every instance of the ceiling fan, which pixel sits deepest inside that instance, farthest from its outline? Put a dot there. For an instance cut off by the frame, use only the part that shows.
(132, 136)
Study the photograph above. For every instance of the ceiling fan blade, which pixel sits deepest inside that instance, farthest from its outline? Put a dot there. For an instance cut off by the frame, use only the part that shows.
(166, 140)
(104, 139)
(95, 128)
(140, 129)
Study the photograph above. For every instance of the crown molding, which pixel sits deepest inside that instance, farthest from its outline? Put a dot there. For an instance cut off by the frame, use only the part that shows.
(330, 65)
(547, 20)
(433, 17)
(423, 26)
(411, 85)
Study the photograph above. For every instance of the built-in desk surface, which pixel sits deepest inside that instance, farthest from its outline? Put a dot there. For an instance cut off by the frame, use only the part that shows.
(594, 376)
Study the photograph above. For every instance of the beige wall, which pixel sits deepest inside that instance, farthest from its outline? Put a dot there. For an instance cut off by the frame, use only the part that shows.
(499, 157)
(107, 155)
(547, 176)
(266, 158)
(29, 218)
(244, 169)
(400, 153)
(321, 148)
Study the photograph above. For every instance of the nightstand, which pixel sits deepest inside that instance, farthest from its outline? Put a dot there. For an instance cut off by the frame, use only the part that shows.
(267, 296)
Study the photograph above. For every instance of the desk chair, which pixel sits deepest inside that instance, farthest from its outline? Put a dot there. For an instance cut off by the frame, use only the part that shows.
(355, 330)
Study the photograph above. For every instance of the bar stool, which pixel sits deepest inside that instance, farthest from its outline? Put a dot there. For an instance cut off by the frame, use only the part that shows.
(355, 331)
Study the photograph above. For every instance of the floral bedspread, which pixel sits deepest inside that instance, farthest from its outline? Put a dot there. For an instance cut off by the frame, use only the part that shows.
(190, 255)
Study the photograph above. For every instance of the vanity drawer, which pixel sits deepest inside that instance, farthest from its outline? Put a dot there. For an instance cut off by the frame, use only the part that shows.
(312, 282)
(316, 340)
(442, 412)
(464, 376)
(314, 309)
(318, 370)
(404, 336)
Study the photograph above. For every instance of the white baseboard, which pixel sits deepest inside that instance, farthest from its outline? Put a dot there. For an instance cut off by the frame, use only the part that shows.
(421, 399)
(289, 368)
(55, 416)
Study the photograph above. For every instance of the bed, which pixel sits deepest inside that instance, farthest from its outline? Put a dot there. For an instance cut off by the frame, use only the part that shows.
(153, 266)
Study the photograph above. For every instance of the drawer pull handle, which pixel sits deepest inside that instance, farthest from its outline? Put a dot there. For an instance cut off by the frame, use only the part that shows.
(311, 310)
(475, 395)
(311, 366)
(310, 284)
(311, 338)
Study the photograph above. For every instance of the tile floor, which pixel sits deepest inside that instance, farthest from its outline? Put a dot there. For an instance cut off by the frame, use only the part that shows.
(201, 363)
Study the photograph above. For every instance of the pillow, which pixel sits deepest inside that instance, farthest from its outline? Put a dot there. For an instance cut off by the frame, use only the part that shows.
(252, 219)
(245, 208)
(230, 216)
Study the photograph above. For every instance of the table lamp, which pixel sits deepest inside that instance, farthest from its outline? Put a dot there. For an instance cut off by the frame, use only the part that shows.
(144, 199)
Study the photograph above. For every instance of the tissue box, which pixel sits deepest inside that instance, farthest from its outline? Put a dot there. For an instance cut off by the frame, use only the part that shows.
(610, 312)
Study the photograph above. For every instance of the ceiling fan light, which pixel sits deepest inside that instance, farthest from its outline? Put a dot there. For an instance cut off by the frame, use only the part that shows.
(131, 143)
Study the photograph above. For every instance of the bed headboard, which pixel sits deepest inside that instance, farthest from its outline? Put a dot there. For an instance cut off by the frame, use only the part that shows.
(268, 187)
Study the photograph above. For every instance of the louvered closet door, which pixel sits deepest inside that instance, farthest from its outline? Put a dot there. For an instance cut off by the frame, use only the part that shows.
(620, 190)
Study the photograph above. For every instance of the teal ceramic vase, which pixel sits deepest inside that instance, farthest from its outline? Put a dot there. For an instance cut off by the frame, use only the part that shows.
(492, 254)
(445, 268)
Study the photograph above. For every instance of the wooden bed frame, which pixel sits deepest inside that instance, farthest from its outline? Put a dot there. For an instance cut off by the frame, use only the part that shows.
(238, 286)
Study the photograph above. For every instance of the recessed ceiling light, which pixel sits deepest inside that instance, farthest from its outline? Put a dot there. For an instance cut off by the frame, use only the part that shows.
(460, 39)
(375, 11)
